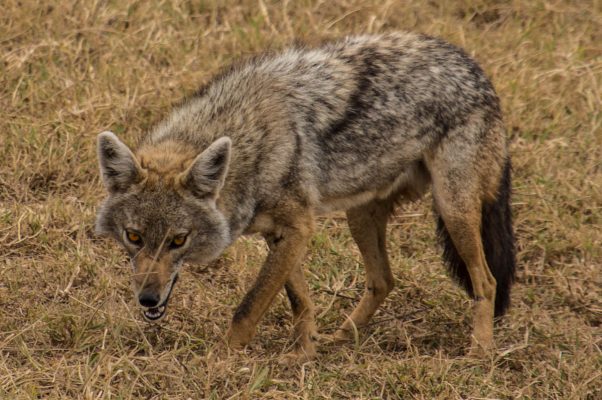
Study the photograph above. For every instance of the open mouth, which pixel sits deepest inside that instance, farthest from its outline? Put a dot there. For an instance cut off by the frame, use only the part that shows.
(156, 313)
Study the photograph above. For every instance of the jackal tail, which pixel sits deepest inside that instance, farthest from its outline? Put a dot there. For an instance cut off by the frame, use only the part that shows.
(498, 244)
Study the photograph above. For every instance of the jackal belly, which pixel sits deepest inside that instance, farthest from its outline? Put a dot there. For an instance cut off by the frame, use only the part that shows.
(410, 183)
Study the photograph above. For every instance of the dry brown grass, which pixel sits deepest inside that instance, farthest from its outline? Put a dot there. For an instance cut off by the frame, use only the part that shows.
(68, 323)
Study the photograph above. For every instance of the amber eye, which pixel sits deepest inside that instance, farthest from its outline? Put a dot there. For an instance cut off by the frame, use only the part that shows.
(133, 237)
(178, 241)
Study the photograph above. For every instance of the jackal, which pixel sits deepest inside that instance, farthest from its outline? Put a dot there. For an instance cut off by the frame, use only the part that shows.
(359, 125)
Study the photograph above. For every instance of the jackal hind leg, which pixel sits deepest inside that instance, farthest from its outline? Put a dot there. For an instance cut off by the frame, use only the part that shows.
(458, 202)
(368, 226)
(287, 250)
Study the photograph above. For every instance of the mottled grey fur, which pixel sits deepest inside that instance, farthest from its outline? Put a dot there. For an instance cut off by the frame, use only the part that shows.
(365, 120)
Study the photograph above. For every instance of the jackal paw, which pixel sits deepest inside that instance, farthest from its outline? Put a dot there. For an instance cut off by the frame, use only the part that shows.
(342, 335)
(299, 356)
(237, 339)
(221, 352)
(480, 348)
(304, 348)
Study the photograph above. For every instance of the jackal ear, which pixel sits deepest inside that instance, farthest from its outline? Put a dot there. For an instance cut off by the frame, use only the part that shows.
(118, 165)
(206, 175)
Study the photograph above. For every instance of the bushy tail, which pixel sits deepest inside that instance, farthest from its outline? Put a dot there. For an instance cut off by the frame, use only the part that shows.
(498, 244)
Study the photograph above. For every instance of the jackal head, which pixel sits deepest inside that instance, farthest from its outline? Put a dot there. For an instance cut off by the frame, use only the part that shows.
(161, 207)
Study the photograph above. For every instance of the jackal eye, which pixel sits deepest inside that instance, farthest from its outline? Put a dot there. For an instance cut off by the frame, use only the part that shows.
(133, 237)
(178, 241)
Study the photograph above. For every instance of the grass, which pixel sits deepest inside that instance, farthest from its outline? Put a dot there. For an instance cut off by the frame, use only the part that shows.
(68, 324)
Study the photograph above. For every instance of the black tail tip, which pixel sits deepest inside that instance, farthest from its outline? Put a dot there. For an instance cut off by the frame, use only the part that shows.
(499, 242)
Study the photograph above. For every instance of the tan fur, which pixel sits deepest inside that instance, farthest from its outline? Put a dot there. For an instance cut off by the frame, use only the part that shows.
(459, 203)
(368, 225)
(152, 271)
(166, 162)
(304, 326)
(287, 250)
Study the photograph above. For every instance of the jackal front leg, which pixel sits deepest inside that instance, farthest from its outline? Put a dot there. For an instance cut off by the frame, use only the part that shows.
(304, 325)
(286, 254)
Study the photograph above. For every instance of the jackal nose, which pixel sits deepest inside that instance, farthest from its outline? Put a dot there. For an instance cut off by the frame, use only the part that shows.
(148, 299)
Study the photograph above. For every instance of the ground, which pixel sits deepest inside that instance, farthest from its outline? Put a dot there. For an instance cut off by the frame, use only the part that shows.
(69, 326)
